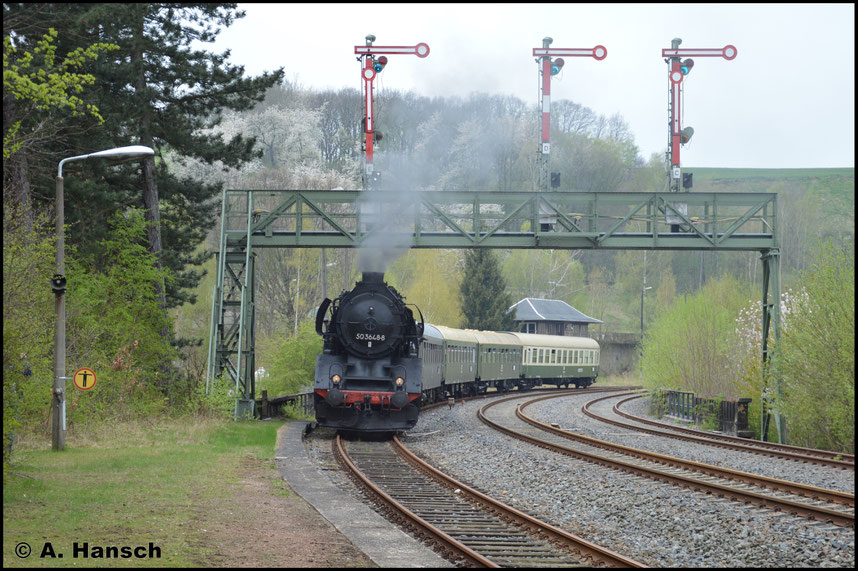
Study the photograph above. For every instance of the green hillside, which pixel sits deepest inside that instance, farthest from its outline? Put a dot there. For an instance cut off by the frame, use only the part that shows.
(718, 175)
(831, 191)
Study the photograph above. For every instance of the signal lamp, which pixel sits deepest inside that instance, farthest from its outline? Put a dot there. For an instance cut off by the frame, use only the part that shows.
(686, 135)
(58, 283)
(557, 65)
(399, 381)
(379, 64)
(686, 65)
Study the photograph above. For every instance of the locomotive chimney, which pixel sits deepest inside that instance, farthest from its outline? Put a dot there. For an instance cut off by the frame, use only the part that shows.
(373, 277)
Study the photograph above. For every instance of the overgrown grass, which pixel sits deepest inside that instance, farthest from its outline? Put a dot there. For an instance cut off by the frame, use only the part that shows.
(127, 485)
(628, 379)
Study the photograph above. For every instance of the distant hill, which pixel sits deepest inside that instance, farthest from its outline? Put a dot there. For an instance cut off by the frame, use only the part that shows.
(831, 190)
(716, 174)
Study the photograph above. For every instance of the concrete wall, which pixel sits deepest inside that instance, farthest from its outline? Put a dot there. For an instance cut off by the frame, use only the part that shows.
(619, 352)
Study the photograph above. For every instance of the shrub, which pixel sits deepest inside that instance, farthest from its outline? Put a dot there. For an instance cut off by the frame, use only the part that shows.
(291, 362)
(689, 346)
(815, 355)
(28, 322)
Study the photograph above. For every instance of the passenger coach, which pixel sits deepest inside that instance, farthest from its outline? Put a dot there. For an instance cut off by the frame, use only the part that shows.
(559, 360)
(462, 362)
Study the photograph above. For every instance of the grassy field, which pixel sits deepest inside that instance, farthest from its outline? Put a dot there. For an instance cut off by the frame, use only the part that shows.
(705, 173)
(142, 485)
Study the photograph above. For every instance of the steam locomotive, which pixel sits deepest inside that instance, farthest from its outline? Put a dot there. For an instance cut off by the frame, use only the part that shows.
(369, 372)
(378, 365)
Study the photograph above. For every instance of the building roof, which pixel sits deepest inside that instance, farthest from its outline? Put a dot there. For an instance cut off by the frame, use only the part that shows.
(531, 309)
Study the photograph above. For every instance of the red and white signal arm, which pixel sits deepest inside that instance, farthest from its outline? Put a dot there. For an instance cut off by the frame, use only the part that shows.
(728, 52)
(598, 52)
(420, 50)
(84, 379)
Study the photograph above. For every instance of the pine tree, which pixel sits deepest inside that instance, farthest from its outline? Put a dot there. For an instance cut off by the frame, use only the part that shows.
(485, 301)
(159, 89)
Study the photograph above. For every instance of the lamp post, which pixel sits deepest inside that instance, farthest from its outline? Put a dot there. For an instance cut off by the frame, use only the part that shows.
(643, 289)
(58, 285)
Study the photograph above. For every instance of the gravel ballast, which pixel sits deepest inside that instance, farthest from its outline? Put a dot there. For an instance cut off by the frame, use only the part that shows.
(653, 522)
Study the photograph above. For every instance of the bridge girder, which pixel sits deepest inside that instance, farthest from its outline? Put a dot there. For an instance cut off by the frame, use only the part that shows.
(254, 219)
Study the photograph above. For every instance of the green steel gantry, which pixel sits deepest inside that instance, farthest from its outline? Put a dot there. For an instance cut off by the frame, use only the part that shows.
(254, 219)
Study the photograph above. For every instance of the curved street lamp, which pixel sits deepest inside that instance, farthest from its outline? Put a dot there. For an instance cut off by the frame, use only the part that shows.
(58, 285)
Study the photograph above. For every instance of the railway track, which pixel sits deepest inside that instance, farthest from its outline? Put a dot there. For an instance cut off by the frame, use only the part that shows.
(806, 501)
(772, 449)
(470, 527)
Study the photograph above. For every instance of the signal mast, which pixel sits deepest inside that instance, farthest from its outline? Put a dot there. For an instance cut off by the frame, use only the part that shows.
(677, 70)
(547, 69)
(372, 67)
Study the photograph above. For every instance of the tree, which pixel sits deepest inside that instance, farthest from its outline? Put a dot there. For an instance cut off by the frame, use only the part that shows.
(36, 81)
(691, 345)
(158, 89)
(39, 91)
(431, 280)
(548, 274)
(484, 299)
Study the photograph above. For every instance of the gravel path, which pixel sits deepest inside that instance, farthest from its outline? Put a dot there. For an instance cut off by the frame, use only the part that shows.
(655, 523)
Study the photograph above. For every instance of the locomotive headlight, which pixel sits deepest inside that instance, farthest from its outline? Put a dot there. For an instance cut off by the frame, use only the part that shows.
(400, 381)
(336, 379)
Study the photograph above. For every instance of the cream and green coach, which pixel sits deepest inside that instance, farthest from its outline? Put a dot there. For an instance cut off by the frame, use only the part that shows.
(558, 360)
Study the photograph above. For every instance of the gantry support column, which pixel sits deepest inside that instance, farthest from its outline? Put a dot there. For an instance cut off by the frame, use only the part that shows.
(772, 391)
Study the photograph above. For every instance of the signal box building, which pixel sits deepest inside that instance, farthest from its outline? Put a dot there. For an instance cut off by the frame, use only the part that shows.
(550, 317)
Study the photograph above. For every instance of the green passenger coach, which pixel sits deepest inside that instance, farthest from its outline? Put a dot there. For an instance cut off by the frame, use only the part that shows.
(559, 360)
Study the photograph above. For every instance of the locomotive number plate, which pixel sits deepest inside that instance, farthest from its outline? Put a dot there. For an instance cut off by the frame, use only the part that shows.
(369, 337)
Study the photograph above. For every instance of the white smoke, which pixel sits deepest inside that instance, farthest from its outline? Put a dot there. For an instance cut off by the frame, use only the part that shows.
(387, 218)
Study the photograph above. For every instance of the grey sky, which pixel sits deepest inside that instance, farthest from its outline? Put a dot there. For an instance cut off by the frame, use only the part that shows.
(786, 101)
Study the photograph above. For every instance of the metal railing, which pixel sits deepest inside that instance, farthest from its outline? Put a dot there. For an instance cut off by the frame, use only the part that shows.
(730, 416)
(269, 407)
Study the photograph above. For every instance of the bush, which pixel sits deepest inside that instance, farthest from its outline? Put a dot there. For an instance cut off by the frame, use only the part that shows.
(690, 345)
(291, 362)
(115, 324)
(28, 323)
(815, 355)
